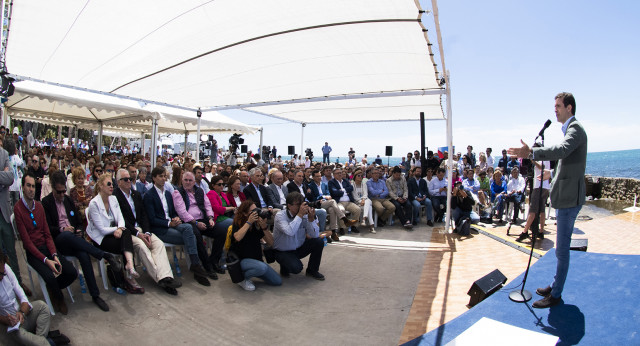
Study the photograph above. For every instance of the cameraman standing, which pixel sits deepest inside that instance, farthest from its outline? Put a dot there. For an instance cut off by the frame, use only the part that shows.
(295, 236)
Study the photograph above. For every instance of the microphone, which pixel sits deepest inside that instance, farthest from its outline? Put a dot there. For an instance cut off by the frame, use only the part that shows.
(546, 125)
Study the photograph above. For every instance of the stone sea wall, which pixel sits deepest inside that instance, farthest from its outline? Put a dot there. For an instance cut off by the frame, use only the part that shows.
(622, 189)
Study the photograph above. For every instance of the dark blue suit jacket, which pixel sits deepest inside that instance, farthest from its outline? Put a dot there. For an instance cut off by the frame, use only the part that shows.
(414, 189)
(155, 212)
(315, 194)
(336, 192)
(140, 187)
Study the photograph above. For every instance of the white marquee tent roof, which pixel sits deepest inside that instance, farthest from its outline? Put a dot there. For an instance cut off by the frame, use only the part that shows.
(305, 61)
(58, 105)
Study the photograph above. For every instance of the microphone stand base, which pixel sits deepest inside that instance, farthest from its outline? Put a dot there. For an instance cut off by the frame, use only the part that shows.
(520, 296)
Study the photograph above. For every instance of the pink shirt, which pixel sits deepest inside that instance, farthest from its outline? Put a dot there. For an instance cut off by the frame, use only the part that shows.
(194, 213)
(62, 215)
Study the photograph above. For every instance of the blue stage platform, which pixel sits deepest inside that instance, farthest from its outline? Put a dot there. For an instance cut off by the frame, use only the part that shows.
(601, 303)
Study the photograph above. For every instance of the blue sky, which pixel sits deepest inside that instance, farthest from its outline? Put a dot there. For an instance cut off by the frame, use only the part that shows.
(508, 59)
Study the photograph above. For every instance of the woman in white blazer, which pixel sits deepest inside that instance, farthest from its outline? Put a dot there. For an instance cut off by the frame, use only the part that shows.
(361, 196)
(106, 227)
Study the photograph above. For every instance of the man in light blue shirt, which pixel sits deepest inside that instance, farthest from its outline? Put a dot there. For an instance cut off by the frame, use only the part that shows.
(325, 153)
(295, 236)
(379, 195)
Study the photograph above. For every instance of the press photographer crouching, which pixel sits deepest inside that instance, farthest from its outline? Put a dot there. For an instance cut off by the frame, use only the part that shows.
(462, 205)
(248, 229)
(295, 236)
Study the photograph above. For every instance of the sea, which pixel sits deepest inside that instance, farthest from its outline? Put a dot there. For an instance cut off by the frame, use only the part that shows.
(614, 164)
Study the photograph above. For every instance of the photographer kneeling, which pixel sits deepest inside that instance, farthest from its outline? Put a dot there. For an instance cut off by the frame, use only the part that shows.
(248, 229)
(295, 236)
(462, 205)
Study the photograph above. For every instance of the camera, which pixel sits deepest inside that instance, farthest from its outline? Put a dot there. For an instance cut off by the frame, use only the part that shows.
(309, 153)
(315, 204)
(262, 213)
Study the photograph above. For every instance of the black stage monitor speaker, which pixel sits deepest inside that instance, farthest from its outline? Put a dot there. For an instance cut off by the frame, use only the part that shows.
(389, 151)
(486, 286)
(292, 150)
(243, 148)
(579, 244)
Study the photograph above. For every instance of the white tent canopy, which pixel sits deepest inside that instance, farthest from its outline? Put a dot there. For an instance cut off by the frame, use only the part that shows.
(274, 57)
(58, 105)
(304, 61)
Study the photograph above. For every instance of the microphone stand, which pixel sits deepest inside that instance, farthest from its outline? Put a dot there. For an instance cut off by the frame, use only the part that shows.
(523, 295)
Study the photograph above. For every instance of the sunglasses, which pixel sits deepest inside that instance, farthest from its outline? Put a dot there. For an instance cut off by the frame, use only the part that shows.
(61, 192)
(33, 220)
(219, 184)
(109, 183)
(126, 179)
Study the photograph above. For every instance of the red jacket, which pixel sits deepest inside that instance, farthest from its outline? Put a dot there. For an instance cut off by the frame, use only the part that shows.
(232, 202)
(33, 237)
(216, 203)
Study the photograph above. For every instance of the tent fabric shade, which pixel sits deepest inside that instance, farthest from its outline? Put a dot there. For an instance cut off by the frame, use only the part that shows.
(56, 105)
(252, 55)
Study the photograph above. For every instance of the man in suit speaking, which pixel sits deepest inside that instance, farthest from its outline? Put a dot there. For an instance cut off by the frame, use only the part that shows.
(567, 189)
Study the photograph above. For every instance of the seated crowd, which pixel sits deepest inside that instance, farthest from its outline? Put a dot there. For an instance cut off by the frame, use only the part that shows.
(118, 207)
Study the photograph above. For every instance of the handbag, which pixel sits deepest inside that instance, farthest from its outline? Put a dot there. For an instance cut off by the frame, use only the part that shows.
(234, 268)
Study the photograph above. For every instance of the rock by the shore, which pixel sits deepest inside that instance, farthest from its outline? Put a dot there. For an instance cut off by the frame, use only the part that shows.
(622, 189)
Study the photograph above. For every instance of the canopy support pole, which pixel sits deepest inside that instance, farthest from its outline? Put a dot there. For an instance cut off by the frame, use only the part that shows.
(142, 144)
(99, 139)
(199, 114)
(423, 161)
(75, 133)
(154, 143)
(59, 136)
(302, 141)
(450, 158)
(261, 143)
(186, 135)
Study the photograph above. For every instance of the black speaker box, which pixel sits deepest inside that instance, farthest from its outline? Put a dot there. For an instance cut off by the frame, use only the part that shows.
(389, 151)
(486, 286)
(292, 150)
(243, 148)
(579, 244)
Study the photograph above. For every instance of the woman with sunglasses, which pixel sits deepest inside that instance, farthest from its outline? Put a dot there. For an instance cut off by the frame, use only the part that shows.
(107, 229)
(222, 210)
(360, 195)
(95, 174)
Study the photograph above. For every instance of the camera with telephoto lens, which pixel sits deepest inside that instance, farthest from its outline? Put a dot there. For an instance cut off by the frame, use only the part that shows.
(263, 213)
(315, 204)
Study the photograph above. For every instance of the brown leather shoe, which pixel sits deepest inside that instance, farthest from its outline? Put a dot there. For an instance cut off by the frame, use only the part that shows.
(547, 302)
(334, 237)
(544, 291)
(350, 222)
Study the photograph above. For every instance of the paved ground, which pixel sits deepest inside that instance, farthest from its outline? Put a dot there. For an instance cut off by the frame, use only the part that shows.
(371, 280)
(381, 289)
(449, 272)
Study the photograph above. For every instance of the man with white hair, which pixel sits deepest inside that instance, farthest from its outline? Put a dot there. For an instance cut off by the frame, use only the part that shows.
(147, 246)
(257, 192)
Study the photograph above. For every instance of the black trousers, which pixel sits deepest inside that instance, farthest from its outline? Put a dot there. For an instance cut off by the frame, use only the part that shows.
(290, 260)
(117, 245)
(70, 245)
(54, 284)
(218, 235)
(403, 210)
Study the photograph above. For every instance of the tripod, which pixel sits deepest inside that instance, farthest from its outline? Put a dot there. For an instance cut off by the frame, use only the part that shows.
(523, 295)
